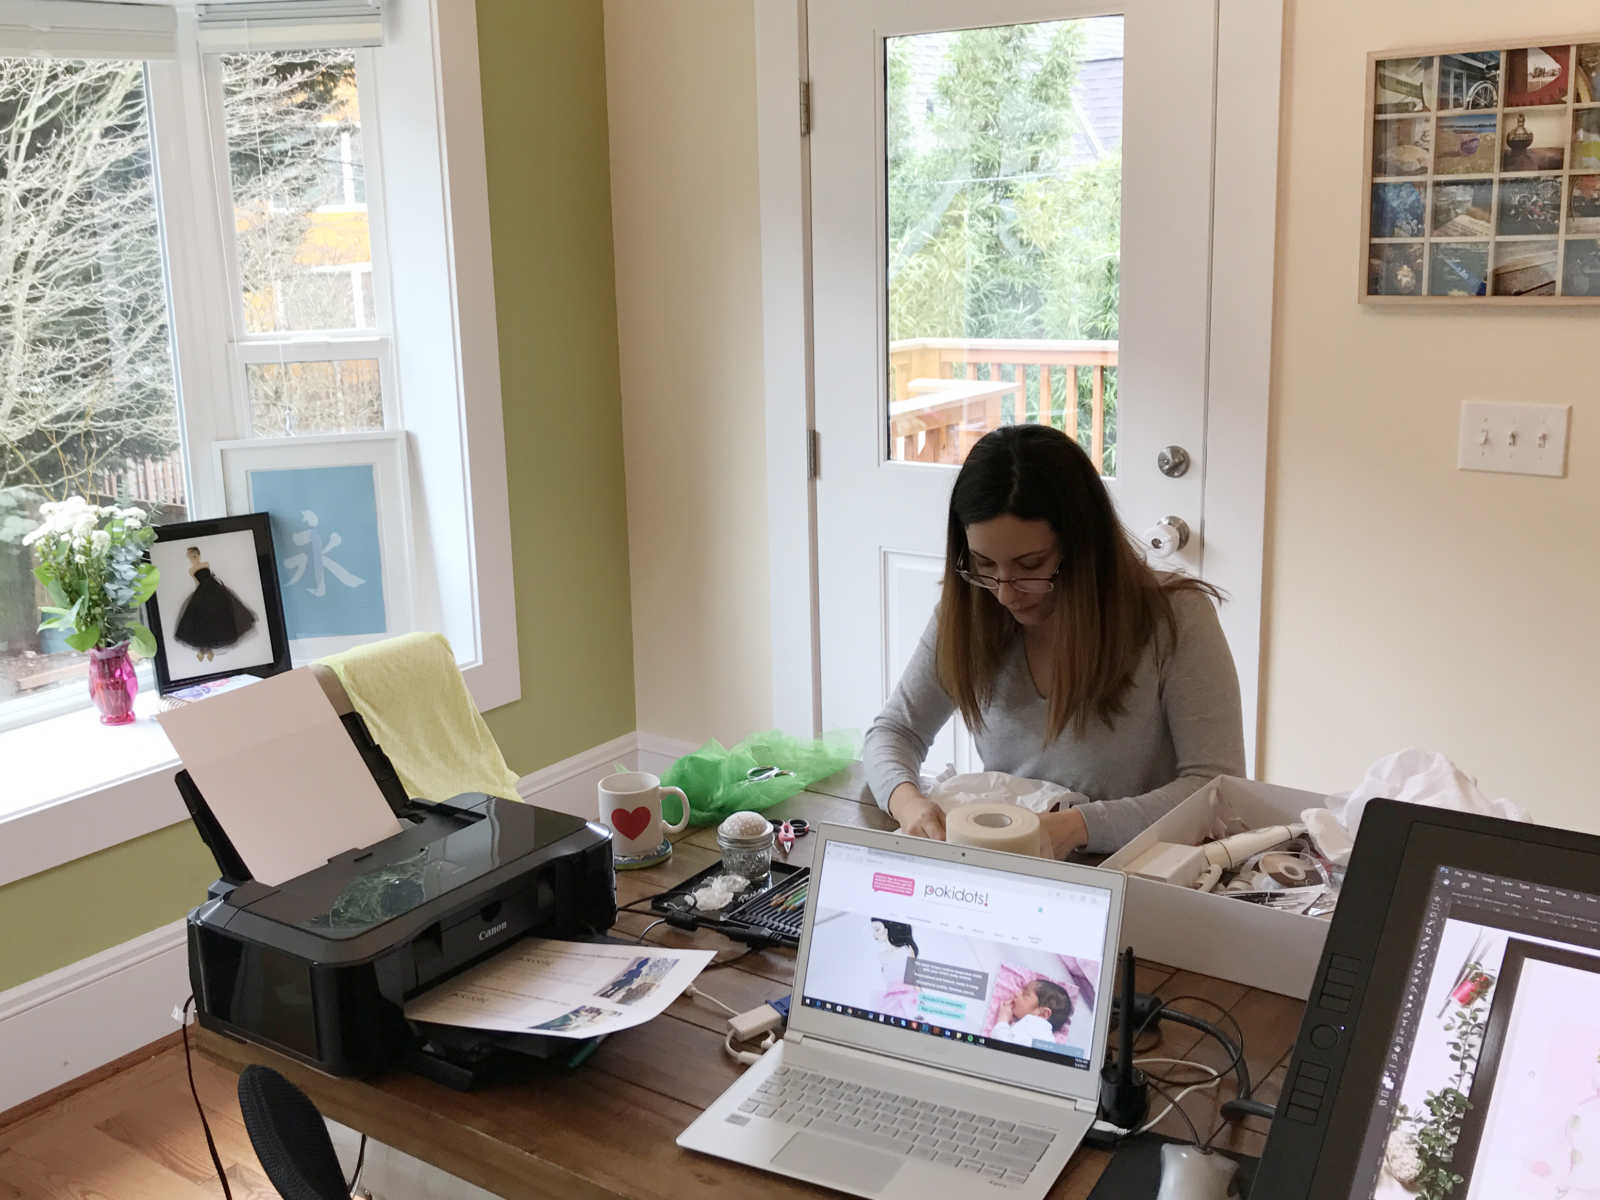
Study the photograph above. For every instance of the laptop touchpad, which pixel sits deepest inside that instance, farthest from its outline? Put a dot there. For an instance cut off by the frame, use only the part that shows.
(843, 1164)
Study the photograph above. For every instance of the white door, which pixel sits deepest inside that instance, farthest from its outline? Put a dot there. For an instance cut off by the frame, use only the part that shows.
(969, 160)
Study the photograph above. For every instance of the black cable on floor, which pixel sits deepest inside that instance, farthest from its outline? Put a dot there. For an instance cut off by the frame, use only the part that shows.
(361, 1156)
(211, 1145)
(1236, 1052)
(1178, 1108)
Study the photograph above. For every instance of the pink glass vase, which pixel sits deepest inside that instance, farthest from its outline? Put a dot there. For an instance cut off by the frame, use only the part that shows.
(113, 684)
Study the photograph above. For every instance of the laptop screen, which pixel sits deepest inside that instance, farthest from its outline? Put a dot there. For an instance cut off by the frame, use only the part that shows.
(1496, 1040)
(998, 959)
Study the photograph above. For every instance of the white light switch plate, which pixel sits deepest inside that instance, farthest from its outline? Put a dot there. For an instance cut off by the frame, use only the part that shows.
(1521, 439)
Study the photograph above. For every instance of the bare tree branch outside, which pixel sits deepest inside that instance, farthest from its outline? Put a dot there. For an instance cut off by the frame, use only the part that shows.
(88, 393)
(299, 199)
(86, 375)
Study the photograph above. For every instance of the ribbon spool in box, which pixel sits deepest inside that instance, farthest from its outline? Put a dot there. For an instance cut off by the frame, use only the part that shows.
(1008, 827)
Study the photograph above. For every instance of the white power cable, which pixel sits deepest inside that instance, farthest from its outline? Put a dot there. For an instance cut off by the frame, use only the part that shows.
(694, 991)
(1211, 1072)
(747, 1057)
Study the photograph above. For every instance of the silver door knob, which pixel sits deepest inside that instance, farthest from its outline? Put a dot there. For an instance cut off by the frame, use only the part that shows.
(1173, 461)
(1168, 537)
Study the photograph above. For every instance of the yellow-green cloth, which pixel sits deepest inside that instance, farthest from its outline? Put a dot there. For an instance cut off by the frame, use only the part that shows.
(410, 692)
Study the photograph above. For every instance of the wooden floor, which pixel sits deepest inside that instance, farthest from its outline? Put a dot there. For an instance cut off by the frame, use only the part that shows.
(134, 1136)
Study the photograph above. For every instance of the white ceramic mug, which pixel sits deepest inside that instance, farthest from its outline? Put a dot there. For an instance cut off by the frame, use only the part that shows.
(630, 806)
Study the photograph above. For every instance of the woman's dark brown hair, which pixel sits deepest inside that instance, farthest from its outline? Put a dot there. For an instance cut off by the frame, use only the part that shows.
(1108, 602)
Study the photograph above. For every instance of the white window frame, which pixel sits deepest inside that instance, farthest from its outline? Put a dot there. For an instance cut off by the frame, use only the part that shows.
(444, 344)
(328, 348)
(329, 345)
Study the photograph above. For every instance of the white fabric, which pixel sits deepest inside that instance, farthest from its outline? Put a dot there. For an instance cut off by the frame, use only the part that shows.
(1024, 1031)
(1332, 840)
(1419, 777)
(78, 29)
(996, 787)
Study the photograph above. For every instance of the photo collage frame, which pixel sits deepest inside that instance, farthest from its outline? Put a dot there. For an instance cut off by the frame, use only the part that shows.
(1482, 177)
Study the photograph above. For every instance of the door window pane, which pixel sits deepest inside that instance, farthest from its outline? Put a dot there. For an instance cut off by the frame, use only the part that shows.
(314, 397)
(88, 404)
(298, 178)
(1004, 180)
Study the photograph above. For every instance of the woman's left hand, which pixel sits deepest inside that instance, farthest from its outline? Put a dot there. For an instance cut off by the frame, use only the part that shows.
(1065, 830)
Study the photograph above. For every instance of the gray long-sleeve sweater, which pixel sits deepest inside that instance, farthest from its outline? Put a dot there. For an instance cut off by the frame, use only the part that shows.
(1180, 727)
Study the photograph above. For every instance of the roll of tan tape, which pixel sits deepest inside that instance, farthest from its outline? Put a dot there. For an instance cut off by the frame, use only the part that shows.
(1008, 827)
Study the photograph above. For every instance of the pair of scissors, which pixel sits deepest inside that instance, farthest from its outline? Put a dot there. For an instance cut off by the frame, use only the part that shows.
(795, 827)
(762, 774)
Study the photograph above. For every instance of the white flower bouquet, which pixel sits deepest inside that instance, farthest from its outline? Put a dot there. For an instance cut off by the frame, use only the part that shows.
(92, 563)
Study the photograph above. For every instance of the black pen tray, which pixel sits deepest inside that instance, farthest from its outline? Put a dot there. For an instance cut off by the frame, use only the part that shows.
(751, 912)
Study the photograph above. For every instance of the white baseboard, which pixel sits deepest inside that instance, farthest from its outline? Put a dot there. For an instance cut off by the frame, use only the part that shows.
(88, 1013)
(570, 785)
(657, 753)
(65, 1024)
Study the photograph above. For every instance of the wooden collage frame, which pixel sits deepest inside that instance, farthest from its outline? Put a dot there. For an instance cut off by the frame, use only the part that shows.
(1411, 162)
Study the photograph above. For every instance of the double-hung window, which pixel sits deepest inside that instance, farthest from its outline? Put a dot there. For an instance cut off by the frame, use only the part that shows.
(197, 246)
(294, 142)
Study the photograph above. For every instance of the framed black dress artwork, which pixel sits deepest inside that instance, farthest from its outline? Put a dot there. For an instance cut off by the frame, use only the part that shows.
(217, 610)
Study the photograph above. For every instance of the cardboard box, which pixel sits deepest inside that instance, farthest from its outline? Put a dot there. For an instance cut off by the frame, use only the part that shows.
(1213, 935)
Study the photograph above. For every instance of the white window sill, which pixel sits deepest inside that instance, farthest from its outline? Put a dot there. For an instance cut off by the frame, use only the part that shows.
(74, 786)
(70, 786)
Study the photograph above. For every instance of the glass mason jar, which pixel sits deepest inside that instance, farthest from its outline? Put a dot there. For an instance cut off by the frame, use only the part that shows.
(749, 857)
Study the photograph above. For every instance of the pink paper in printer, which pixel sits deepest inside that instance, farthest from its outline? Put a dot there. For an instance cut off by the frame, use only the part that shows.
(280, 774)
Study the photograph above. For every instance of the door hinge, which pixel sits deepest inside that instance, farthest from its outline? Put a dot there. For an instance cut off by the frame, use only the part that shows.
(805, 108)
(813, 454)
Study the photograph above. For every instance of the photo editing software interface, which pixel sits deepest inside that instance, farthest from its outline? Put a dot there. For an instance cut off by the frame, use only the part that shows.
(994, 958)
(1496, 1047)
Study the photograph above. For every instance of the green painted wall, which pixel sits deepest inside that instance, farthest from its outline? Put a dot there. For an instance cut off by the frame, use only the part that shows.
(544, 100)
(544, 124)
(83, 907)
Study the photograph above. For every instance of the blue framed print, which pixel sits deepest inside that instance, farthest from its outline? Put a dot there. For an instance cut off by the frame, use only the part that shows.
(330, 561)
(340, 520)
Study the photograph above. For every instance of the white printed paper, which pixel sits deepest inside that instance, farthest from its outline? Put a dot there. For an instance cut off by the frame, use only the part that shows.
(563, 989)
(280, 774)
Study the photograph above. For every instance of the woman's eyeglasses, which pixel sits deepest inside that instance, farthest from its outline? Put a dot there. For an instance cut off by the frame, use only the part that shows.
(1035, 586)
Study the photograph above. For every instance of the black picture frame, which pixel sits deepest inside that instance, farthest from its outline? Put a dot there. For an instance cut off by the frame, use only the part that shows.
(1481, 1090)
(274, 660)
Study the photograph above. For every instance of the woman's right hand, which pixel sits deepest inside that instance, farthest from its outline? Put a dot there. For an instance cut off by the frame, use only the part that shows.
(916, 814)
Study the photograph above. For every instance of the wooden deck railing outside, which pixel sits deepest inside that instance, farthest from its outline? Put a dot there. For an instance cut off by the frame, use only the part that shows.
(153, 482)
(946, 393)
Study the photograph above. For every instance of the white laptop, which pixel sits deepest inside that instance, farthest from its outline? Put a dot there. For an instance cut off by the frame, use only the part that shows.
(947, 1027)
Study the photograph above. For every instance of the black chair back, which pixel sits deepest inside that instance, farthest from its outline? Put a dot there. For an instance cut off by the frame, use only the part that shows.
(290, 1137)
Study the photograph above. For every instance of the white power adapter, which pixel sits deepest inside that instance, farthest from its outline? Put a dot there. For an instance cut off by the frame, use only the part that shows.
(753, 1023)
(762, 1022)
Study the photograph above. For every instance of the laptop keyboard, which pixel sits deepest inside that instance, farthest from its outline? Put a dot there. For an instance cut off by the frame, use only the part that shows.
(1002, 1151)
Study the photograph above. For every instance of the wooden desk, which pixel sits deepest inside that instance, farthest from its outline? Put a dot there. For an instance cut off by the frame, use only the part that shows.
(606, 1129)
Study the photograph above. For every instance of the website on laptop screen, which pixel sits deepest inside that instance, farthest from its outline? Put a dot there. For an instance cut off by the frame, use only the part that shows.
(991, 957)
(1492, 1076)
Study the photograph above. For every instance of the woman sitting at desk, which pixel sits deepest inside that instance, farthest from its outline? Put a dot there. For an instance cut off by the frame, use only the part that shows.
(1068, 657)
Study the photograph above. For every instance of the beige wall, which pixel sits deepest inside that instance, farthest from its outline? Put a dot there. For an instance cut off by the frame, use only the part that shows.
(680, 84)
(1410, 603)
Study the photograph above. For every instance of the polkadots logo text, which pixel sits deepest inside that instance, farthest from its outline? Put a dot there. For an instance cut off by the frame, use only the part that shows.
(945, 891)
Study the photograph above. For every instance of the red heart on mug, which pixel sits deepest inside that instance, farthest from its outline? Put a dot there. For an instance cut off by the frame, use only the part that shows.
(630, 824)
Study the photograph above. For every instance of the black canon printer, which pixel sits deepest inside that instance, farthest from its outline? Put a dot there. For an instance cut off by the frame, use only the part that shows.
(320, 967)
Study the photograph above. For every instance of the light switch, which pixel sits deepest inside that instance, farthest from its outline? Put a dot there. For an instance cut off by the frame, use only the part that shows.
(1521, 439)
